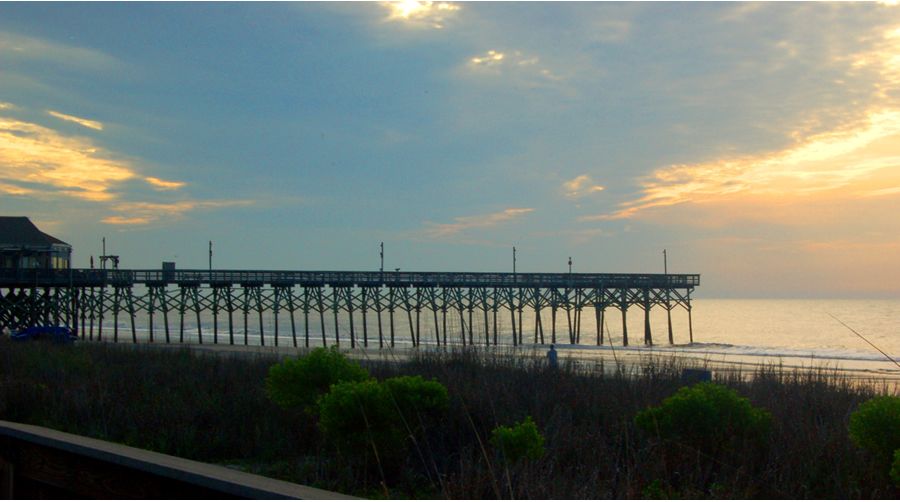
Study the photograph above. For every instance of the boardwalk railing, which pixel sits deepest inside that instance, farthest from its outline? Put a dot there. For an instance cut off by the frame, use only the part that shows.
(39, 463)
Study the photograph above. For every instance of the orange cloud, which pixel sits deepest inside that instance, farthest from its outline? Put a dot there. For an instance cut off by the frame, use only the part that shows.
(45, 161)
(448, 230)
(40, 162)
(37, 155)
(164, 185)
(13, 189)
(140, 213)
(119, 220)
(849, 164)
(87, 123)
(580, 186)
(841, 169)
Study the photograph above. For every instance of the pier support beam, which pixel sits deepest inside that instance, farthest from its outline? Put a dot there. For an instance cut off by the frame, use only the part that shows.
(648, 336)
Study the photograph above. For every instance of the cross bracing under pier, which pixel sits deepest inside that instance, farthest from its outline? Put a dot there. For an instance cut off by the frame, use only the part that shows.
(304, 308)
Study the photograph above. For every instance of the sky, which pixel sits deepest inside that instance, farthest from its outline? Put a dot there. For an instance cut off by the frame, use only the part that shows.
(757, 144)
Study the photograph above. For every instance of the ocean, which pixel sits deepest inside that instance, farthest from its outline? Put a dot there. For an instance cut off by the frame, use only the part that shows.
(792, 333)
(799, 333)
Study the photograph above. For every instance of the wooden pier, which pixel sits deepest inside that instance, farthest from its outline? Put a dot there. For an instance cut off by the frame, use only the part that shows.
(84, 299)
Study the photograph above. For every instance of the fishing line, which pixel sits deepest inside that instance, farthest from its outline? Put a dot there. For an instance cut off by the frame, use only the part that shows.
(864, 339)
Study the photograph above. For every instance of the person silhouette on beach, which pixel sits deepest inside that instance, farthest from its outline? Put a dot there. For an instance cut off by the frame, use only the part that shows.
(551, 356)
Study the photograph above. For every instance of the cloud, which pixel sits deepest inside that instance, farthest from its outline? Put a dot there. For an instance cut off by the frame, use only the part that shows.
(520, 68)
(23, 48)
(884, 191)
(848, 161)
(41, 160)
(490, 58)
(427, 14)
(142, 213)
(86, 123)
(119, 220)
(98, 196)
(580, 186)
(451, 230)
(164, 185)
(41, 163)
(39, 157)
(9, 189)
(610, 30)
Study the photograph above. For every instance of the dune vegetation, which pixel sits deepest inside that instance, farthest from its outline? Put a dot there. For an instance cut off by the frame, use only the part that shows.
(506, 426)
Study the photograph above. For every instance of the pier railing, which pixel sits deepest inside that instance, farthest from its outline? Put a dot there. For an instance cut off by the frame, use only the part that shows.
(101, 277)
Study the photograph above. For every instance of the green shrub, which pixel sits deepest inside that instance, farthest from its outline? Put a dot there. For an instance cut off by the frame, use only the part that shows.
(300, 382)
(875, 426)
(895, 469)
(382, 415)
(356, 414)
(706, 416)
(416, 400)
(519, 441)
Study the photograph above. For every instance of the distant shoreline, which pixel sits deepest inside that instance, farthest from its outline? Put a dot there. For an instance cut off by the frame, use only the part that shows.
(631, 358)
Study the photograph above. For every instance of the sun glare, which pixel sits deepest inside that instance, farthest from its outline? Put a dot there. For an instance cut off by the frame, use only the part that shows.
(430, 13)
(407, 8)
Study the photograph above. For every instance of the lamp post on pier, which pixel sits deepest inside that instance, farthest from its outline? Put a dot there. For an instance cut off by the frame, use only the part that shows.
(668, 299)
(381, 269)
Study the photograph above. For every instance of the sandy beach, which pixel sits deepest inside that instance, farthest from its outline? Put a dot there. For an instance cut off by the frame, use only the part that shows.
(604, 358)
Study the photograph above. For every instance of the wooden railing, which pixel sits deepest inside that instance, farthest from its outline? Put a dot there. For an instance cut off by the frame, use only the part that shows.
(39, 463)
(98, 277)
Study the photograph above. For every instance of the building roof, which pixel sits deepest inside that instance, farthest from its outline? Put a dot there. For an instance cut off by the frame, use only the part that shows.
(19, 231)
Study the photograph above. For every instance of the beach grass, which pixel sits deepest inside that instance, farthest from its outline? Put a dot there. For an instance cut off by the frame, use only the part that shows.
(213, 408)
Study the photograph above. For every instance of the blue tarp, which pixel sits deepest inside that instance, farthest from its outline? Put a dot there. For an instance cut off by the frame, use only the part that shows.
(52, 333)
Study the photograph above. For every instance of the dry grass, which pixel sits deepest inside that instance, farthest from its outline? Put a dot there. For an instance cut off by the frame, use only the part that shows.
(213, 409)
